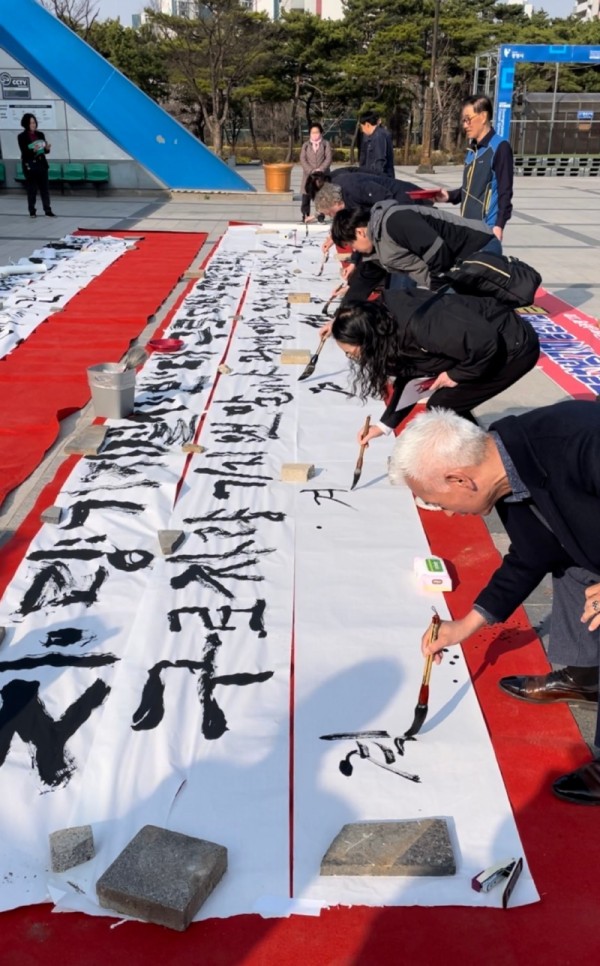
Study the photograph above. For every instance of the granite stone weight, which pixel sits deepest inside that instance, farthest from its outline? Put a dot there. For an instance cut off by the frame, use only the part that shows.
(411, 847)
(71, 846)
(162, 877)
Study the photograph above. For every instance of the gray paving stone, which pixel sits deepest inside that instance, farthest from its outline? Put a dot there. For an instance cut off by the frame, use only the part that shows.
(2, 634)
(170, 540)
(71, 846)
(419, 847)
(162, 877)
(88, 442)
(52, 514)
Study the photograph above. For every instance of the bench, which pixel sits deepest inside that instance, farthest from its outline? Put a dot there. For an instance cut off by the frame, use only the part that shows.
(97, 174)
(73, 172)
(70, 172)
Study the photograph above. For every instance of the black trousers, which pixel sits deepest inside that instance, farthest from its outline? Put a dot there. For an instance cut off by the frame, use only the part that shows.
(37, 181)
(464, 397)
(305, 206)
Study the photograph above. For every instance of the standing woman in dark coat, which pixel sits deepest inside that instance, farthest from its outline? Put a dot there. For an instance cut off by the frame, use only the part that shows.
(315, 155)
(468, 349)
(34, 148)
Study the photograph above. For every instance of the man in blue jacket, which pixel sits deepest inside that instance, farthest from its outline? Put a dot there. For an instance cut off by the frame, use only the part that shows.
(541, 471)
(487, 187)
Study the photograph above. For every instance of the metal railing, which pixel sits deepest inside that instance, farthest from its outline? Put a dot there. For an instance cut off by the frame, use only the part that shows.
(558, 136)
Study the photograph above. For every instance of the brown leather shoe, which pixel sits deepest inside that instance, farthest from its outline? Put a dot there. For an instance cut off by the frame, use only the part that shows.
(581, 787)
(568, 684)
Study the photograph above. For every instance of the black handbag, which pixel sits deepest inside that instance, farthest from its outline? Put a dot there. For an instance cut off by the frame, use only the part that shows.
(503, 277)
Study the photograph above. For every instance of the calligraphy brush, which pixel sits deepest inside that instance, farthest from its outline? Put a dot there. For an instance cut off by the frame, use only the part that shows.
(323, 262)
(310, 368)
(361, 453)
(325, 309)
(423, 701)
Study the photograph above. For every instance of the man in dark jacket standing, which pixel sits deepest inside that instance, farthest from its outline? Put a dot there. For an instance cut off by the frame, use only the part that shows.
(541, 471)
(487, 187)
(376, 150)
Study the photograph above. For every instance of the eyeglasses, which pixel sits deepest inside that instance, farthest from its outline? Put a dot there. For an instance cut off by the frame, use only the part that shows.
(468, 118)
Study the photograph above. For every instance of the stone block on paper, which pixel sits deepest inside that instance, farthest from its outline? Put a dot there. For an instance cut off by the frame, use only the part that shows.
(193, 448)
(52, 514)
(88, 442)
(224, 369)
(295, 298)
(297, 472)
(413, 847)
(71, 846)
(295, 357)
(170, 540)
(162, 877)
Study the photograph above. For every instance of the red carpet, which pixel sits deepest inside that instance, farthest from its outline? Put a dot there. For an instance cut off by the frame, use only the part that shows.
(45, 378)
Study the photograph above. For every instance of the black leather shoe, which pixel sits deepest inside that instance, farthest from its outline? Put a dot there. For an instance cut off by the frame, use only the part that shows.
(568, 684)
(32, 214)
(50, 214)
(581, 787)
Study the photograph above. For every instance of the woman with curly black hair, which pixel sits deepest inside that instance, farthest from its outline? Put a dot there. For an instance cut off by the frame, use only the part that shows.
(466, 349)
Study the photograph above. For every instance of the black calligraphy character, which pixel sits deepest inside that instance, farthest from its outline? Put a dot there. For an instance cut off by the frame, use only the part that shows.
(369, 748)
(256, 622)
(330, 387)
(23, 713)
(151, 709)
(327, 494)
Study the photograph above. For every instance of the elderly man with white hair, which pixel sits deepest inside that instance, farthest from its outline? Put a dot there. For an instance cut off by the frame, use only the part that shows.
(541, 471)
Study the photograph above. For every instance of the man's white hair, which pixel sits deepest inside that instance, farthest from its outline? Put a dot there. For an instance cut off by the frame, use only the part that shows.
(328, 196)
(434, 442)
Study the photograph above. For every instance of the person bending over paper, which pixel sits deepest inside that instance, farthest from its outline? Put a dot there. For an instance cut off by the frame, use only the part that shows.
(541, 471)
(404, 245)
(460, 349)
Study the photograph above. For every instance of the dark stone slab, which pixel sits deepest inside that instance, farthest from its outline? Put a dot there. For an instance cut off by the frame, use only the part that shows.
(411, 847)
(71, 846)
(170, 540)
(162, 877)
(2, 634)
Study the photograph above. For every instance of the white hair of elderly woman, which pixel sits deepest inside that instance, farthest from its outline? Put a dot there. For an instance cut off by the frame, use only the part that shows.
(434, 442)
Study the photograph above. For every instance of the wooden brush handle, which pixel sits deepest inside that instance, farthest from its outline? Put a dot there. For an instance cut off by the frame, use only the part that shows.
(363, 445)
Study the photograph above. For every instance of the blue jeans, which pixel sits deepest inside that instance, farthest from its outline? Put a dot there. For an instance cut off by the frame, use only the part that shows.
(494, 246)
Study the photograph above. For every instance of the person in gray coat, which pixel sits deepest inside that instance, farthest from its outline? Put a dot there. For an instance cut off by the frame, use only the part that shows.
(315, 155)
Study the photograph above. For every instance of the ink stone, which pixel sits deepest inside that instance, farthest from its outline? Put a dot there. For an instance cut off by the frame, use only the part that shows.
(411, 848)
(162, 877)
(71, 846)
